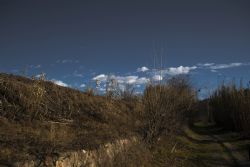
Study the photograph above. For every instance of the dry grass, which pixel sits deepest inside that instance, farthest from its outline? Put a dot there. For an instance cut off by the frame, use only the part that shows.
(39, 119)
(230, 108)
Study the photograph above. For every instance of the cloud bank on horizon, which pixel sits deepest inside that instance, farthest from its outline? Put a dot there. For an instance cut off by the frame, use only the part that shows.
(161, 74)
(139, 78)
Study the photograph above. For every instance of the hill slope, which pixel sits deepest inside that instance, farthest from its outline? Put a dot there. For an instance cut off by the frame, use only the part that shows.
(39, 118)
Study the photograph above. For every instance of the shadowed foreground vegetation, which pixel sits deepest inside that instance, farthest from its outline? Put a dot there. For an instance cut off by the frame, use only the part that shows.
(41, 121)
(230, 107)
(39, 118)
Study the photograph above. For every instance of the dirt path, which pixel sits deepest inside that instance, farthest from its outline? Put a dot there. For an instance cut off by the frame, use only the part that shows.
(213, 147)
(235, 157)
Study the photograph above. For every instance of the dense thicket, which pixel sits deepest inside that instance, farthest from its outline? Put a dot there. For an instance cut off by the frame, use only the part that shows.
(231, 107)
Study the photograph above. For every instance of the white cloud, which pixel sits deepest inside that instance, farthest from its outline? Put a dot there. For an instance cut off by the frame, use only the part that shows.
(213, 70)
(157, 77)
(82, 85)
(215, 67)
(142, 80)
(60, 83)
(205, 64)
(208, 64)
(138, 92)
(126, 79)
(142, 69)
(38, 76)
(38, 66)
(132, 79)
(179, 70)
(101, 77)
(223, 66)
(78, 74)
(67, 61)
(35, 66)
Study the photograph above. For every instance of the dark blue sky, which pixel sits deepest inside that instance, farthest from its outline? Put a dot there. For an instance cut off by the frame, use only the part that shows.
(91, 37)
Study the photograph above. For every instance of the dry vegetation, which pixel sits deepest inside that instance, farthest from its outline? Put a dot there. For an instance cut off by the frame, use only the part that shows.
(167, 107)
(39, 118)
(47, 124)
(231, 108)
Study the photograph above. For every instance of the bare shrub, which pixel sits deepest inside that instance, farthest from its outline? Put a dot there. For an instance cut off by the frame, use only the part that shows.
(38, 92)
(166, 106)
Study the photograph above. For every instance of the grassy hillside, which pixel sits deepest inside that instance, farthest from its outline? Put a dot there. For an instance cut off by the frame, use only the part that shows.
(43, 122)
(38, 117)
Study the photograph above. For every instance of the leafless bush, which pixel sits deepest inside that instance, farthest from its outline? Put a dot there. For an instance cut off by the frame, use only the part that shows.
(166, 106)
